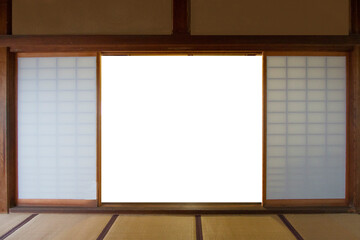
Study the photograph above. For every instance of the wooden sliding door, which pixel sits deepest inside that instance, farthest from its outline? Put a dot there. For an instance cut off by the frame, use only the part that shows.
(57, 129)
(306, 129)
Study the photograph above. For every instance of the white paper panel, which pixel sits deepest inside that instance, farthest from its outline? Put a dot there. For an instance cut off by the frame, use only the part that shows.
(57, 128)
(306, 127)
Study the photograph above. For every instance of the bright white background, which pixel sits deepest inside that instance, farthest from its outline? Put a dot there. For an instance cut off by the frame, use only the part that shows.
(181, 129)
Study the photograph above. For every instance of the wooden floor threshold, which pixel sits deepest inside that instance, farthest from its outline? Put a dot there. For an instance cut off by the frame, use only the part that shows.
(120, 210)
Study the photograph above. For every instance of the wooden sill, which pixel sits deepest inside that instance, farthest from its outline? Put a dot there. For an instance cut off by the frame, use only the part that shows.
(190, 209)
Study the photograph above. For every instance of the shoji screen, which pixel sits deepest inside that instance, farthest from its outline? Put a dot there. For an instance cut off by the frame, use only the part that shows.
(306, 127)
(57, 128)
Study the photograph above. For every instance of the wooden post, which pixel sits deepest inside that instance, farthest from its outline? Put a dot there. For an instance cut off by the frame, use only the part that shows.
(3, 164)
(354, 131)
(181, 17)
(355, 17)
(7, 190)
(5, 17)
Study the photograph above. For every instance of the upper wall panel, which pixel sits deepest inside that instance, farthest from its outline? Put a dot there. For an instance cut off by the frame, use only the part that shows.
(52, 17)
(275, 17)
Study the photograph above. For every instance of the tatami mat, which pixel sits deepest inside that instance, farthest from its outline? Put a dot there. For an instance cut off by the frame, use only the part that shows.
(62, 227)
(176, 227)
(151, 227)
(245, 227)
(8, 221)
(326, 226)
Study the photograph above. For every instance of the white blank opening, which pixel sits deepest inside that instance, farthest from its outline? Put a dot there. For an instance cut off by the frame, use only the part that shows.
(181, 129)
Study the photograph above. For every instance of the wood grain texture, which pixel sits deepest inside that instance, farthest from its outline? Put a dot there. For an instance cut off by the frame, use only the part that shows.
(177, 43)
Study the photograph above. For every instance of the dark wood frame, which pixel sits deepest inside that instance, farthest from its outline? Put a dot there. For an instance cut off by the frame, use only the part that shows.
(158, 53)
(180, 41)
(265, 203)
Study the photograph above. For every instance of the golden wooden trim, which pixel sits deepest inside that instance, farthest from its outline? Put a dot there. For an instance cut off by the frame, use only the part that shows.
(57, 202)
(306, 53)
(57, 54)
(98, 128)
(305, 203)
(264, 127)
(182, 53)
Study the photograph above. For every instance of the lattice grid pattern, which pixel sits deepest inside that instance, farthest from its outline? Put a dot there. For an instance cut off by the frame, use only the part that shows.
(306, 127)
(57, 128)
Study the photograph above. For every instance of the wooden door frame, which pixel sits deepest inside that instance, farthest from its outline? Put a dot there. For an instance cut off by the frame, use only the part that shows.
(44, 202)
(308, 202)
(266, 203)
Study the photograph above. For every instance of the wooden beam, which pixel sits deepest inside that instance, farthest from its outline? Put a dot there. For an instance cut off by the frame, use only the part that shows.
(355, 17)
(5, 17)
(181, 17)
(177, 43)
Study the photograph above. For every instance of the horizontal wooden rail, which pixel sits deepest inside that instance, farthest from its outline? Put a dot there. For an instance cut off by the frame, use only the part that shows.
(46, 43)
(122, 210)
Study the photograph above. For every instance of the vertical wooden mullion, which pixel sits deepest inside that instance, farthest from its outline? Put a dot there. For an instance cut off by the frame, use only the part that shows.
(7, 130)
(5, 17)
(12, 130)
(181, 17)
(264, 127)
(3, 134)
(98, 128)
(354, 16)
(354, 129)
(7, 175)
